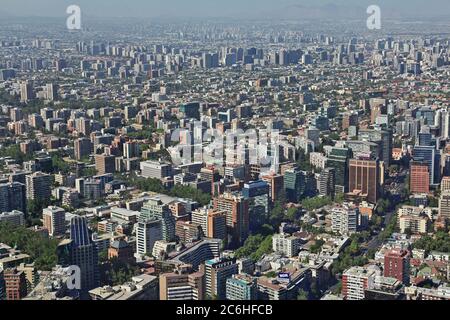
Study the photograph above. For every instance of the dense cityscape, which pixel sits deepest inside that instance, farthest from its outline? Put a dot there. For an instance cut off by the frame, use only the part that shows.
(224, 160)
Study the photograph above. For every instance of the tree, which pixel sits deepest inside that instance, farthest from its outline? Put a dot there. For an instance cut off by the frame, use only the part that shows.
(302, 295)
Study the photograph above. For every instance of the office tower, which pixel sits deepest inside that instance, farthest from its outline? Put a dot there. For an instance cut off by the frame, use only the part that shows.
(83, 148)
(54, 221)
(38, 186)
(384, 138)
(15, 284)
(338, 160)
(92, 189)
(276, 186)
(182, 284)
(237, 212)
(241, 287)
(364, 177)
(84, 253)
(156, 209)
(83, 126)
(257, 194)
(299, 184)
(130, 149)
(327, 183)
(344, 219)
(444, 205)
(147, 233)
(26, 91)
(217, 225)
(51, 91)
(397, 265)
(13, 197)
(105, 163)
(419, 178)
(155, 170)
(191, 110)
(430, 156)
(217, 271)
(355, 281)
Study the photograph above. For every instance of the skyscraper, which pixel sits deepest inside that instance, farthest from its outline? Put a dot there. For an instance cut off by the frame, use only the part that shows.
(327, 183)
(147, 233)
(419, 178)
(84, 253)
(13, 197)
(237, 212)
(217, 271)
(105, 163)
(83, 148)
(156, 209)
(364, 176)
(38, 186)
(338, 159)
(54, 221)
(26, 91)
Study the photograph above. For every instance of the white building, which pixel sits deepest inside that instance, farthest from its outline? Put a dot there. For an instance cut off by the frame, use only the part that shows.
(344, 219)
(286, 244)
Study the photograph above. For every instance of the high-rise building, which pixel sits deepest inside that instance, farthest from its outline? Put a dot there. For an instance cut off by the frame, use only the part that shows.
(156, 209)
(217, 271)
(147, 233)
(38, 186)
(444, 205)
(54, 221)
(431, 157)
(83, 148)
(105, 163)
(338, 160)
(276, 184)
(355, 281)
(217, 225)
(445, 184)
(130, 149)
(364, 176)
(84, 253)
(299, 184)
(182, 284)
(237, 212)
(384, 138)
(13, 197)
(15, 284)
(241, 287)
(51, 92)
(419, 178)
(397, 265)
(327, 183)
(26, 91)
(344, 219)
(257, 194)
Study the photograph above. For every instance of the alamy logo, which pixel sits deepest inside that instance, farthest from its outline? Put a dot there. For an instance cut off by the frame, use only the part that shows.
(74, 279)
(374, 20)
(74, 20)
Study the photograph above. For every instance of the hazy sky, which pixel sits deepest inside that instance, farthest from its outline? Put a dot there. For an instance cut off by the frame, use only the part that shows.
(226, 8)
